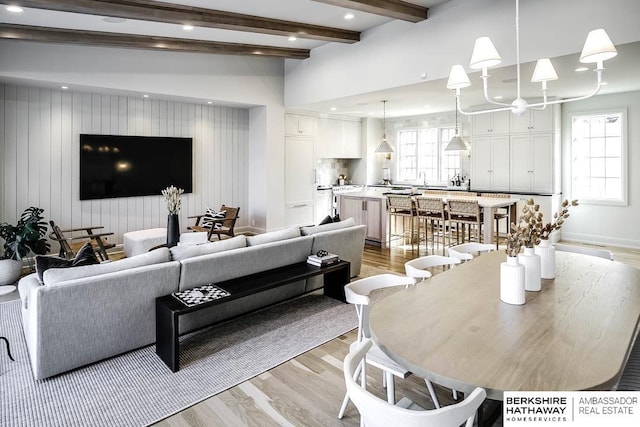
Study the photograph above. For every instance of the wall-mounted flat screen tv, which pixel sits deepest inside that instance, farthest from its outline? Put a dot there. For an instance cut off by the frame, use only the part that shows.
(124, 166)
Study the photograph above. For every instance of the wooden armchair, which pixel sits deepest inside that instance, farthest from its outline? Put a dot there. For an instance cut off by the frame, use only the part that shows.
(68, 248)
(222, 226)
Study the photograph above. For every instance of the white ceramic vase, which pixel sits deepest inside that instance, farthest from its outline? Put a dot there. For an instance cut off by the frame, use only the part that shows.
(547, 259)
(512, 281)
(531, 263)
(10, 270)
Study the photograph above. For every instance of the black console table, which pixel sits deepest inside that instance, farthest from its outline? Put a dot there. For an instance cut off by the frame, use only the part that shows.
(169, 309)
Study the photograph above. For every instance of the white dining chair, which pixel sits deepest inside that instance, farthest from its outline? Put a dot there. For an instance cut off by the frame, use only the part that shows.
(466, 251)
(375, 412)
(357, 293)
(417, 268)
(602, 253)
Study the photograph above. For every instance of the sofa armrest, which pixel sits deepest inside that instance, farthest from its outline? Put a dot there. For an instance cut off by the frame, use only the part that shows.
(347, 243)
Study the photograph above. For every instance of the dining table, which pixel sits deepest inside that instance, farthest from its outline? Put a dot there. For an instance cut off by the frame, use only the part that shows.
(575, 334)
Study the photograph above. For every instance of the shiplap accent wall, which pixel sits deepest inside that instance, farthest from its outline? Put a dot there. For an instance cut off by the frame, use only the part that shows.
(39, 147)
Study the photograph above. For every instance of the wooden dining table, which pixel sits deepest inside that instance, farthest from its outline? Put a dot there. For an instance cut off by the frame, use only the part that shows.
(575, 334)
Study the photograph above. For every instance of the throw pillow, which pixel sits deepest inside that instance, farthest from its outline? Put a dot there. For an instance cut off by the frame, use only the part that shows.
(210, 217)
(85, 256)
(326, 220)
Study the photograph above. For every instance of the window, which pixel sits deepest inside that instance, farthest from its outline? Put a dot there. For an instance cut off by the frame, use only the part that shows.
(421, 155)
(599, 173)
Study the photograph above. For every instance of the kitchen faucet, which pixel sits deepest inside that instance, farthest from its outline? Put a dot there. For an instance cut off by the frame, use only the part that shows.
(423, 174)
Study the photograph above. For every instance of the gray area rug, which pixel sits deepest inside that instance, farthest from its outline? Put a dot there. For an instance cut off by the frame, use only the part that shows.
(137, 388)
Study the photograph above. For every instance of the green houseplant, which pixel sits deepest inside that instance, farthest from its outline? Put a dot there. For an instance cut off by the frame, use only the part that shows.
(28, 235)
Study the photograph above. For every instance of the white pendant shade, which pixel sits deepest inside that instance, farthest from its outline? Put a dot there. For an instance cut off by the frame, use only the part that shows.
(484, 54)
(597, 47)
(544, 71)
(457, 144)
(458, 78)
(384, 147)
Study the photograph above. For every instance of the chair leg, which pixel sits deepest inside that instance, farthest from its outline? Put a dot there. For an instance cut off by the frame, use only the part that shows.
(432, 392)
(345, 401)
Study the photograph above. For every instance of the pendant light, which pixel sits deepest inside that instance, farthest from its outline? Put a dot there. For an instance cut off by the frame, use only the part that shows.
(384, 146)
(456, 143)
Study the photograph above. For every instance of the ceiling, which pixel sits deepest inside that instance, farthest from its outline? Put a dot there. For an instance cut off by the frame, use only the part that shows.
(264, 27)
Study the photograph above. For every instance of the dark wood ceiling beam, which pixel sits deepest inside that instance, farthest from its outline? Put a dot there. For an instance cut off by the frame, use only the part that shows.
(149, 10)
(396, 9)
(96, 38)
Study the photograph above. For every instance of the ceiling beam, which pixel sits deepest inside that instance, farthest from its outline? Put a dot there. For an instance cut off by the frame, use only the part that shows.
(396, 9)
(96, 38)
(149, 10)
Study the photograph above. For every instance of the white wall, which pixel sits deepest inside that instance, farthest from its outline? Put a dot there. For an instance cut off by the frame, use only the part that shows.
(617, 225)
(395, 54)
(241, 81)
(39, 148)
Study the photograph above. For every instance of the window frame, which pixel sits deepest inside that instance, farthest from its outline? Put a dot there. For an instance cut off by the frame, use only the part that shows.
(624, 184)
(440, 156)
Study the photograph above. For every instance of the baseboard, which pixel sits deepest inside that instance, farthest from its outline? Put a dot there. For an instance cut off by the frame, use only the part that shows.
(600, 240)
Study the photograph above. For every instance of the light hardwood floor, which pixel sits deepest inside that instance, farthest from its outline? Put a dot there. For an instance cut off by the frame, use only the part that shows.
(308, 390)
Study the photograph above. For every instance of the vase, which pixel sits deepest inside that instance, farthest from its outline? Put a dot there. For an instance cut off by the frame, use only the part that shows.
(547, 259)
(531, 262)
(173, 230)
(10, 270)
(512, 281)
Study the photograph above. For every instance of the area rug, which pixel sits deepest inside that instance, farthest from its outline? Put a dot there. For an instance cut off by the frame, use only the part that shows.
(137, 388)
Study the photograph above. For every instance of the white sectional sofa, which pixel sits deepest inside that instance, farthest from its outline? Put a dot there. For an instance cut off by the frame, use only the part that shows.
(81, 315)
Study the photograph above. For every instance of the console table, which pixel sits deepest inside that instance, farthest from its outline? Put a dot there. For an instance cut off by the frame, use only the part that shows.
(169, 309)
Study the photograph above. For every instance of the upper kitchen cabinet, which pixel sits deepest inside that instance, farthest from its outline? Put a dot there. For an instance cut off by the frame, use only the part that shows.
(299, 125)
(339, 138)
(546, 120)
(491, 123)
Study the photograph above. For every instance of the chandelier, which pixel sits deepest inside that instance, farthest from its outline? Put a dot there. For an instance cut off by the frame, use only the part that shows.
(597, 48)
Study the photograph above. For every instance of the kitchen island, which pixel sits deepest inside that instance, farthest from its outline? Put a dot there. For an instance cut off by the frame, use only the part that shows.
(368, 207)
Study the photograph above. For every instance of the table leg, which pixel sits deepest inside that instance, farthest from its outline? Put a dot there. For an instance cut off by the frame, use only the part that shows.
(334, 282)
(167, 345)
(487, 225)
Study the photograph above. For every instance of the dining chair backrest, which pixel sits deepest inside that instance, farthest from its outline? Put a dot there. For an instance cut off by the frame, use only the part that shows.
(357, 293)
(399, 204)
(375, 412)
(416, 268)
(463, 208)
(466, 251)
(602, 253)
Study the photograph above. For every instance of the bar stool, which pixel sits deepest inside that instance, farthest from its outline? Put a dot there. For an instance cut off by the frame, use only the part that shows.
(400, 206)
(500, 214)
(432, 211)
(467, 213)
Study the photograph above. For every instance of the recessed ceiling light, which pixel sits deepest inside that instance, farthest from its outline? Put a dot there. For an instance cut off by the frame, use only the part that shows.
(209, 102)
(581, 69)
(187, 27)
(113, 20)
(333, 108)
(64, 87)
(349, 16)
(145, 96)
(604, 83)
(293, 38)
(498, 97)
(257, 52)
(15, 9)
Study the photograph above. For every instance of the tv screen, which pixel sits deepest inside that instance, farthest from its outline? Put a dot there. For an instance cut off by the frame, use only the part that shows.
(125, 166)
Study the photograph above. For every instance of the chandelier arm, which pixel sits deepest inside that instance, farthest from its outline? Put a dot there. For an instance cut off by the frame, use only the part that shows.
(473, 113)
(485, 85)
(580, 98)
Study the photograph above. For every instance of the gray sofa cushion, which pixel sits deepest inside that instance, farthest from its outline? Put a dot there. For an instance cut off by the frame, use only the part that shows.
(57, 275)
(178, 253)
(307, 231)
(273, 236)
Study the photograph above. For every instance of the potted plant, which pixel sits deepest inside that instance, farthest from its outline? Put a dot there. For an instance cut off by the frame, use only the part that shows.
(544, 248)
(28, 235)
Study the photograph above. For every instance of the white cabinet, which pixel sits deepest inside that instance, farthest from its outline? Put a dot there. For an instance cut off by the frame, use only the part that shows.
(532, 162)
(299, 125)
(339, 139)
(535, 120)
(300, 181)
(324, 204)
(490, 163)
(490, 123)
(367, 211)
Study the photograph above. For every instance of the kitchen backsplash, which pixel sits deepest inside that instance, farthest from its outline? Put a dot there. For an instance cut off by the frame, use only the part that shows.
(328, 170)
